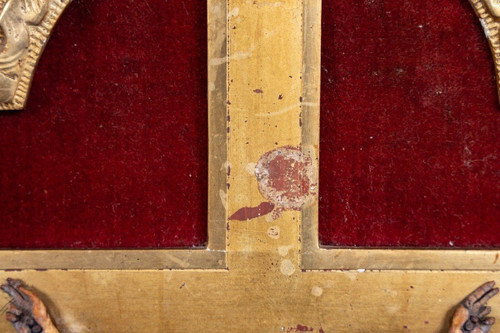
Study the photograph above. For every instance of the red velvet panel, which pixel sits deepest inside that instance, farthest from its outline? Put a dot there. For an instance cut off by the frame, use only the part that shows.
(111, 151)
(409, 126)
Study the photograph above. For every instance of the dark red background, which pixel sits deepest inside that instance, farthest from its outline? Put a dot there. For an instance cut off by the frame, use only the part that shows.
(409, 126)
(111, 150)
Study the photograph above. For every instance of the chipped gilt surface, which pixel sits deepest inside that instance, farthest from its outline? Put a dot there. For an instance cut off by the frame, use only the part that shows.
(264, 286)
(26, 26)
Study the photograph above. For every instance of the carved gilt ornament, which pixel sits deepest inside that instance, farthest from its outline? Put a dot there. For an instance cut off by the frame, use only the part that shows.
(25, 28)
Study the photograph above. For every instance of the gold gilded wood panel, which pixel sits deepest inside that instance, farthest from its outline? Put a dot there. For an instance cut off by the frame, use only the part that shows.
(315, 256)
(211, 257)
(264, 288)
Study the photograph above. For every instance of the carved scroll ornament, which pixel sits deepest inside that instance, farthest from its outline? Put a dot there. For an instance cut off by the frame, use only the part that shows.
(25, 28)
(488, 12)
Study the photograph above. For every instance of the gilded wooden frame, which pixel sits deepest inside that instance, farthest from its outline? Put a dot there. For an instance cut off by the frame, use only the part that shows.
(277, 278)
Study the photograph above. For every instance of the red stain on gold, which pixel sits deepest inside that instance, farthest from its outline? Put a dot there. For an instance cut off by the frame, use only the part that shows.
(286, 178)
(248, 213)
(300, 328)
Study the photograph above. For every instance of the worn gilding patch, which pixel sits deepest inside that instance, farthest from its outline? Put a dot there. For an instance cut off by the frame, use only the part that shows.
(286, 179)
(287, 267)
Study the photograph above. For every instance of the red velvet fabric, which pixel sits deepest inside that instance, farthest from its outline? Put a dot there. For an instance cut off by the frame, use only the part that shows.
(111, 150)
(409, 126)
